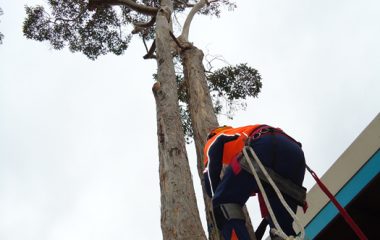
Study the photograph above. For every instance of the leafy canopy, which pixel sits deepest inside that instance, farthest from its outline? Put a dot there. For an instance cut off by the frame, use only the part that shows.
(98, 27)
(229, 86)
(71, 24)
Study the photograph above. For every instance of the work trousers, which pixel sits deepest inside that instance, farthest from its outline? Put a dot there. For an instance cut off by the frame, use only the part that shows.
(277, 152)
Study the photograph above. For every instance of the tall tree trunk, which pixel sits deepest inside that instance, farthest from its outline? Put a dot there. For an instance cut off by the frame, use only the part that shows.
(179, 211)
(203, 119)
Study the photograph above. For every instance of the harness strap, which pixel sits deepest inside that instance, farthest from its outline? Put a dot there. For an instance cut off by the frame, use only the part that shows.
(286, 186)
(261, 229)
(263, 130)
(232, 211)
(227, 211)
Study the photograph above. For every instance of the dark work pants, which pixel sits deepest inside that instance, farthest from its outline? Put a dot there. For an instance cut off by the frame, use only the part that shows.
(281, 154)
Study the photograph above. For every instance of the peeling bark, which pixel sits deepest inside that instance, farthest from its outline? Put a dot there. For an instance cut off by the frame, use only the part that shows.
(179, 211)
(203, 120)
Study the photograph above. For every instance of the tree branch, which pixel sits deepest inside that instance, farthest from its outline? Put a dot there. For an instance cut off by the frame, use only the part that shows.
(151, 51)
(139, 26)
(181, 46)
(186, 27)
(146, 47)
(140, 8)
(68, 20)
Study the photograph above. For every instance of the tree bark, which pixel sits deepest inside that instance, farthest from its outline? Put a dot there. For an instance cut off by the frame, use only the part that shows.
(179, 211)
(203, 120)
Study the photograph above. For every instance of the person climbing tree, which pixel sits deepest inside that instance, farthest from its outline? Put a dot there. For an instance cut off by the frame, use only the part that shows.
(281, 155)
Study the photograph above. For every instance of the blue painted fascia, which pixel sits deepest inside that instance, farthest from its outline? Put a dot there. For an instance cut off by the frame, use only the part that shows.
(370, 169)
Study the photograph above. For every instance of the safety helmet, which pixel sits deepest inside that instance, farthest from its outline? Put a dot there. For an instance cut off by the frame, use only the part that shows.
(215, 131)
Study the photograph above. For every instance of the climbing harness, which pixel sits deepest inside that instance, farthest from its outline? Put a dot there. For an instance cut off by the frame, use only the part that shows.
(286, 186)
(296, 192)
(277, 231)
(281, 185)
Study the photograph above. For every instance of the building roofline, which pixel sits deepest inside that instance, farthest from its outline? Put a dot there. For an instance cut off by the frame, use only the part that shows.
(344, 168)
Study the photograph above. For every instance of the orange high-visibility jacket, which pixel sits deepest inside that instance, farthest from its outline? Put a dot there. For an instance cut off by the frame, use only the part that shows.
(232, 148)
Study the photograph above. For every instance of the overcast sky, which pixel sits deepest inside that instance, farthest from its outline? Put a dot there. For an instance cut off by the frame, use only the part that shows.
(78, 144)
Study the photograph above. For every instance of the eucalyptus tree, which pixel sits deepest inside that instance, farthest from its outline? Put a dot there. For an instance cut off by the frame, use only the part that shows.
(98, 27)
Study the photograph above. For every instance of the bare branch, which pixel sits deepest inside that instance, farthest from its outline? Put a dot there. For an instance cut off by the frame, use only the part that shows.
(146, 46)
(186, 27)
(211, 59)
(151, 51)
(146, 24)
(140, 8)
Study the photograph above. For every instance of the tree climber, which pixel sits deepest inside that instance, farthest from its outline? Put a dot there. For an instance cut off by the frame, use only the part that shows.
(278, 152)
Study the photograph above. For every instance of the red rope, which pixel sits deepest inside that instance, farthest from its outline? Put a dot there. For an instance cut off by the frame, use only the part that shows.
(342, 211)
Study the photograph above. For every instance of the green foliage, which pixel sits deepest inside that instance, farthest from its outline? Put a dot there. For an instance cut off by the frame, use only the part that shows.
(186, 122)
(71, 24)
(105, 30)
(229, 87)
(235, 82)
(183, 100)
(215, 9)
